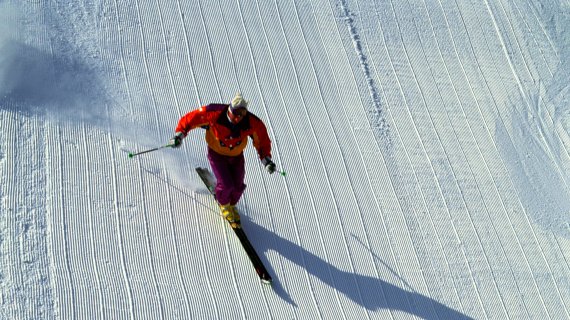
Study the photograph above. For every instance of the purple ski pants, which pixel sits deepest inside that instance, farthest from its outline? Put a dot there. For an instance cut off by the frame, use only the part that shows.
(230, 174)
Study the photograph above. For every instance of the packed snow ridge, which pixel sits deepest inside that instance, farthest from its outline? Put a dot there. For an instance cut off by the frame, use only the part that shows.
(377, 121)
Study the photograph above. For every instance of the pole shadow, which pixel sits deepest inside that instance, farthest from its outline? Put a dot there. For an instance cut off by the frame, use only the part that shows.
(368, 292)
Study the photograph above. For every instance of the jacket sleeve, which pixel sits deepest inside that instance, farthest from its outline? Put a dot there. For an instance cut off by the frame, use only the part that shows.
(260, 138)
(192, 120)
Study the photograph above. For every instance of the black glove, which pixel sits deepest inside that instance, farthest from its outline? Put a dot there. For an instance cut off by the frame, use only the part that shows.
(269, 164)
(176, 141)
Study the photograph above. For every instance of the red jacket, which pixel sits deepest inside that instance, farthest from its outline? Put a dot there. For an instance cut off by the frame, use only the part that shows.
(223, 136)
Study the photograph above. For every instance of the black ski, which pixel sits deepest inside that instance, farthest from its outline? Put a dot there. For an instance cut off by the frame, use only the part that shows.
(210, 182)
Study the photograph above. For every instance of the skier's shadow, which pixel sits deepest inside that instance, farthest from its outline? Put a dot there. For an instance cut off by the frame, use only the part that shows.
(371, 293)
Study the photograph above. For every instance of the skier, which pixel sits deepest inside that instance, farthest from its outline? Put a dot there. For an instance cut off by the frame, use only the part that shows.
(227, 129)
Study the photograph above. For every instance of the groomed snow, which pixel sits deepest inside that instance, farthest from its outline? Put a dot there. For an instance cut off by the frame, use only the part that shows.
(426, 145)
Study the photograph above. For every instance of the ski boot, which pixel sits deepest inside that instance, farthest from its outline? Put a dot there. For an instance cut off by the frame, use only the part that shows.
(230, 213)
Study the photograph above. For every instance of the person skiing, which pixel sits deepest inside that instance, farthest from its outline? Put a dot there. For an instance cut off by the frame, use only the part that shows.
(228, 127)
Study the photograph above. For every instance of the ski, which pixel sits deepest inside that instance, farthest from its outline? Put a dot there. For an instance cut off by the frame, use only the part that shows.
(210, 182)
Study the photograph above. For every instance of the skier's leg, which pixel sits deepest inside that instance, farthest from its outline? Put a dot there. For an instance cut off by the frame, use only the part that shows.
(238, 177)
(223, 172)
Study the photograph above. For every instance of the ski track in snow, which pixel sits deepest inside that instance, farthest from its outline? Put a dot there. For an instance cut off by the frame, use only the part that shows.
(378, 113)
(426, 146)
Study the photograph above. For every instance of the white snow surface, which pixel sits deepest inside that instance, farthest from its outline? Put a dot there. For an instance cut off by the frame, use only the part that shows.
(426, 145)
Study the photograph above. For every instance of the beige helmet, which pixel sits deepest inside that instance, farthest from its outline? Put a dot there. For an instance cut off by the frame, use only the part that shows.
(238, 102)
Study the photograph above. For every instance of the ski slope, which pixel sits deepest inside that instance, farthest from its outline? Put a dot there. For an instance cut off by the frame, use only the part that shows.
(426, 145)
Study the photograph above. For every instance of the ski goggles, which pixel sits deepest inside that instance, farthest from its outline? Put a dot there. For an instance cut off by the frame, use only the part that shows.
(238, 112)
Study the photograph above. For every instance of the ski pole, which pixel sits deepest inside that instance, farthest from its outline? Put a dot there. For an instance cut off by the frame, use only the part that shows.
(150, 150)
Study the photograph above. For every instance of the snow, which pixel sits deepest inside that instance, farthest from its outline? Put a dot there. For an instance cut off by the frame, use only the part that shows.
(426, 145)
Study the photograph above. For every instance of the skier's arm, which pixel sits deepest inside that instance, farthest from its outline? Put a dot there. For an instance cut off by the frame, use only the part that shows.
(262, 143)
(192, 120)
(260, 138)
(189, 121)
